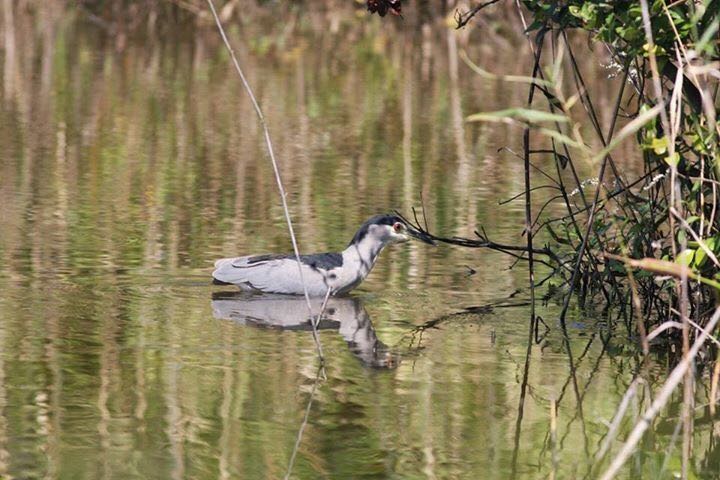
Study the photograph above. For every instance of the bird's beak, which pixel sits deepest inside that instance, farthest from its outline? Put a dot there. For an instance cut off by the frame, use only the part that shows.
(423, 237)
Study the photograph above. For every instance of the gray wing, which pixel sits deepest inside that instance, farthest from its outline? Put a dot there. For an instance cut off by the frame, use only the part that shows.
(325, 261)
(277, 273)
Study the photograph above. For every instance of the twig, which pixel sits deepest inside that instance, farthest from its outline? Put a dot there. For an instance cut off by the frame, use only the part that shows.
(524, 388)
(676, 376)
(698, 326)
(662, 327)
(657, 86)
(593, 208)
(315, 324)
(637, 307)
(476, 310)
(515, 197)
(539, 40)
(714, 387)
(462, 19)
(553, 435)
(608, 196)
(617, 419)
(283, 195)
(303, 424)
(484, 242)
(528, 226)
(671, 446)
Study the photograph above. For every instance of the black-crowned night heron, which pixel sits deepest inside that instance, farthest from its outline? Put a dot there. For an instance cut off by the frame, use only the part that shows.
(339, 272)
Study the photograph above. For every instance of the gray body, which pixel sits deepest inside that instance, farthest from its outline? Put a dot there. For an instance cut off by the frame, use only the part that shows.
(339, 272)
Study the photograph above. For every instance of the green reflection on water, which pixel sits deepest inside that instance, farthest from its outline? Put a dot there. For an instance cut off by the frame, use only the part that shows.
(125, 173)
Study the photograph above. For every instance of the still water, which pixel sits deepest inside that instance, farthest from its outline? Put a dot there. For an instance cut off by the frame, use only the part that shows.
(128, 166)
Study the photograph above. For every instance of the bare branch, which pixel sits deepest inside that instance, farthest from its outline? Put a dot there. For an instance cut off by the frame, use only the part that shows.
(271, 153)
(462, 19)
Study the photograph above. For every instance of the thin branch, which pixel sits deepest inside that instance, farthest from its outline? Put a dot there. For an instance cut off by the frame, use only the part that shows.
(462, 19)
(617, 419)
(483, 242)
(608, 196)
(593, 209)
(515, 197)
(283, 195)
(298, 440)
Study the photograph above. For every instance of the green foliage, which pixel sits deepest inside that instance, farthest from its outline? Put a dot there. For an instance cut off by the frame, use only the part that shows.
(672, 214)
(620, 23)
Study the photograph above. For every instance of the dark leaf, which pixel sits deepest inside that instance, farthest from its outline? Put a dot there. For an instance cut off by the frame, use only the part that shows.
(381, 7)
(563, 160)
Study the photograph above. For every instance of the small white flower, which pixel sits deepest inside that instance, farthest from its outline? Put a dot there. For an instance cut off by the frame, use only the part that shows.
(583, 184)
(654, 180)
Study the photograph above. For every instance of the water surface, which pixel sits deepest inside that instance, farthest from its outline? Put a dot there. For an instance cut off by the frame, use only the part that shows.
(128, 167)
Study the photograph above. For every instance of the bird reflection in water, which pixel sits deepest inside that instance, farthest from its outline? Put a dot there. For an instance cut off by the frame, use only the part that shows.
(345, 314)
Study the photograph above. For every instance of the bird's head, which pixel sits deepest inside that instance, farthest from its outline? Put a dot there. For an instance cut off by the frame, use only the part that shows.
(388, 229)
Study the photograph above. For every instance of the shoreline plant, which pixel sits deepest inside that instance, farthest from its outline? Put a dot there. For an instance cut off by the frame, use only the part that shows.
(645, 247)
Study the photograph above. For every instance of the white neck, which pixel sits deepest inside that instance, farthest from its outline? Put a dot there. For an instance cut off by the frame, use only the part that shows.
(361, 256)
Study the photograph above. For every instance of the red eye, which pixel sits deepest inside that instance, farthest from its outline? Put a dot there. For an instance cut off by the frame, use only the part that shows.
(397, 227)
